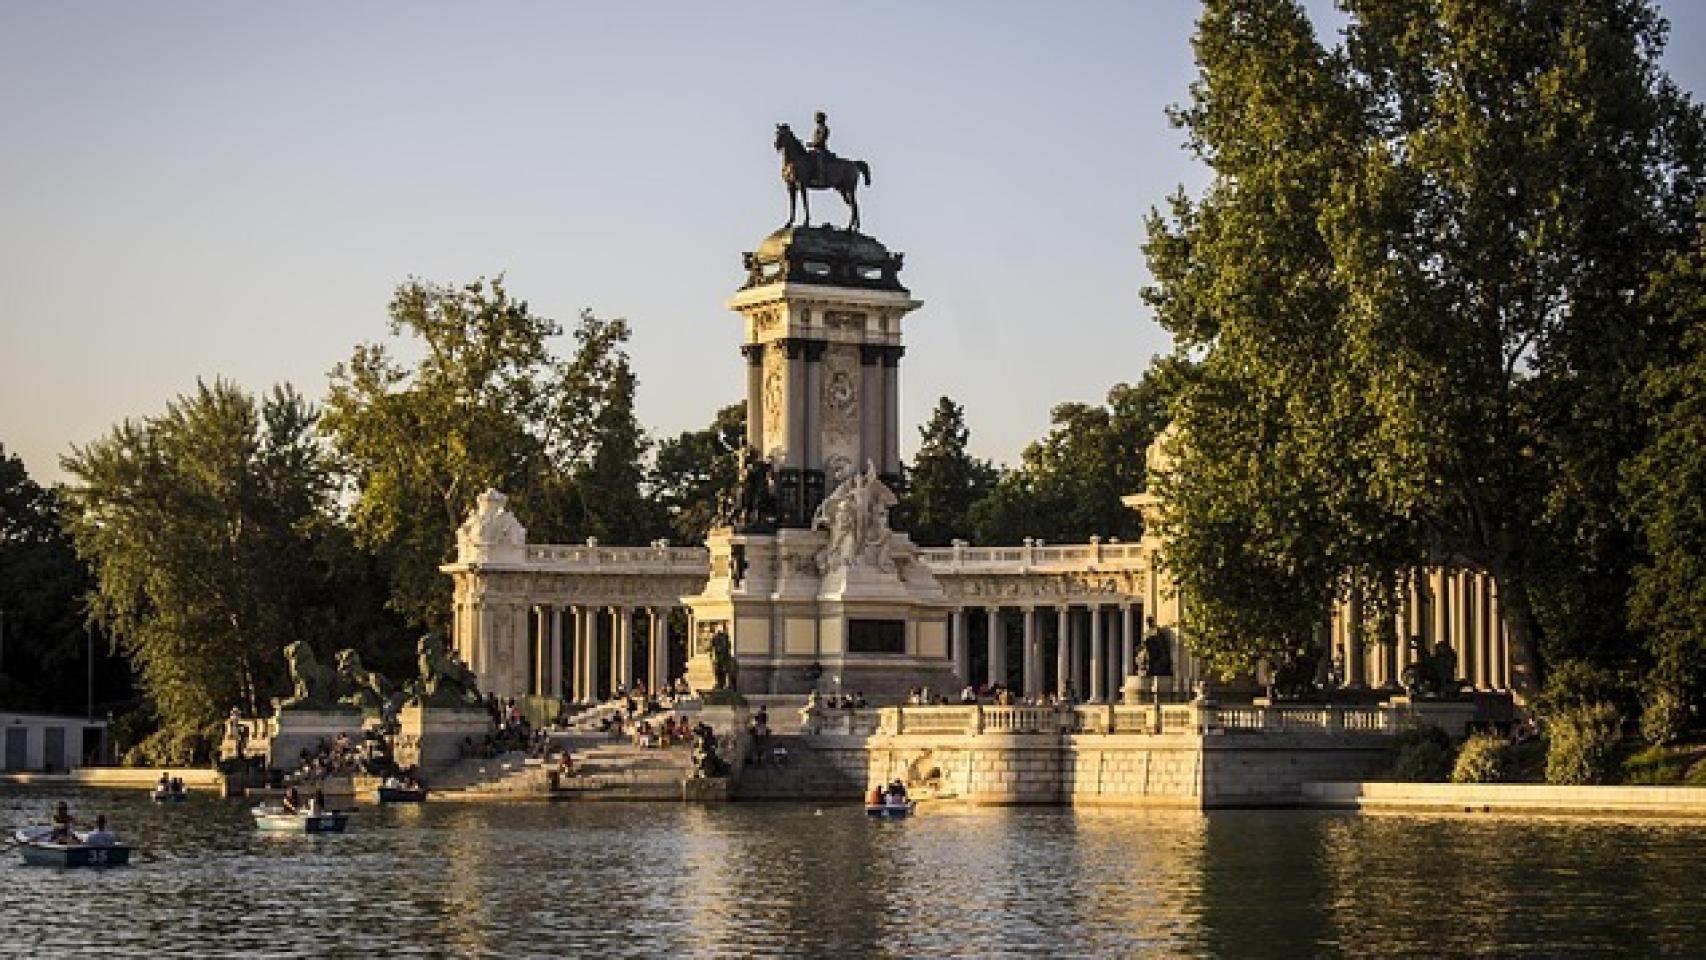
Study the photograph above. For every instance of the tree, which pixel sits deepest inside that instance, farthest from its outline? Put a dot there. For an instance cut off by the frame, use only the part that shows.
(694, 470)
(1666, 487)
(944, 481)
(1068, 485)
(1412, 285)
(43, 647)
(488, 405)
(202, 526)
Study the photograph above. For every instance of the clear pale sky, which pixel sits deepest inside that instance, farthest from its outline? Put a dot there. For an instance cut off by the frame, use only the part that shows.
(234, 189)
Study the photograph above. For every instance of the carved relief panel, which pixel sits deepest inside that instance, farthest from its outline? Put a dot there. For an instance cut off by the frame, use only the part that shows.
(840, 403)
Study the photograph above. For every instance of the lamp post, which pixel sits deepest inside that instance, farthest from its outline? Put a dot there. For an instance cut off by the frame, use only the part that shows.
(89, 649)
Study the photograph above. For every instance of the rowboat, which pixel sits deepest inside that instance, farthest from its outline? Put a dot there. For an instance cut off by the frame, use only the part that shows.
(167, 795)
(891, 811)
(402, 794)
(280, 820)
(39, 851)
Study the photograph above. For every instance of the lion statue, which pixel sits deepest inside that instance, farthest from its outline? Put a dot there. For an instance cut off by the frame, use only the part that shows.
(445, 681)
(313, 686)
(369, 692)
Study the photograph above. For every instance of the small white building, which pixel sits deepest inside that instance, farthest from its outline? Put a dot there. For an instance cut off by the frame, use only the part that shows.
(42, 743)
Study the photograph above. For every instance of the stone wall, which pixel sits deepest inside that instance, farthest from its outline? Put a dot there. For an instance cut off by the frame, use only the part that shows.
(1172, 769)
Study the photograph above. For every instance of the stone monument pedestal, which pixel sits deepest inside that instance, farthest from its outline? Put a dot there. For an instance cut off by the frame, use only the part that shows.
(296, 729)
(433, 736)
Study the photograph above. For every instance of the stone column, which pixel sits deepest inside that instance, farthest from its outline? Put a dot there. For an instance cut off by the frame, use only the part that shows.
(1063, 659)
(1485, 624)
(891, 410)
(870, 405)
(997, 646)
(754, 354)
(797, 403)
(624, 663)
(541, 650)
(1439, 607)
(1070, 631)
(592, 657)
(1128, 643)
(1461, 625)
(1356, 663)
(1098, 663)
(1496, 627)
(556, 652)
(962, 646)
(1032, 681)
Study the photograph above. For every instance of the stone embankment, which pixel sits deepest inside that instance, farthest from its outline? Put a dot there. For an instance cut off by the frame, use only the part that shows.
(1506, 798)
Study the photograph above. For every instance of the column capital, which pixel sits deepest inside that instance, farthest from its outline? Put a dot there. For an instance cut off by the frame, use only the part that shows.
(753, 352)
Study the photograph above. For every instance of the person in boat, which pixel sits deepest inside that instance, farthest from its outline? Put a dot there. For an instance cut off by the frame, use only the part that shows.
(61, 822)
(317, 805)
(165, 784)
(897, 793)
(292, 800)
(100, 836)
(875, 797)
(177, 784)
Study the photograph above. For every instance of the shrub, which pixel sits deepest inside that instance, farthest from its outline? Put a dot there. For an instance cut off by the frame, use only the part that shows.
(1581, 741)
(1485, 758)
(1575, 684)
(1422, 755)
(1664, 715)
(1656, 765)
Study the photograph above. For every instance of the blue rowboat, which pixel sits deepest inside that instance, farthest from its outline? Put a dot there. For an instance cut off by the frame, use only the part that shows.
(280, 820)
(39, 851)
(891, 811)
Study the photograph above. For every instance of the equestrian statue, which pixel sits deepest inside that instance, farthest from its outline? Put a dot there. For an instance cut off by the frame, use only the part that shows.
(806, 168)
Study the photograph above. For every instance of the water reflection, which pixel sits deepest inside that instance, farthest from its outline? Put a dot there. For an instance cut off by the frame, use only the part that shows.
(805, 880)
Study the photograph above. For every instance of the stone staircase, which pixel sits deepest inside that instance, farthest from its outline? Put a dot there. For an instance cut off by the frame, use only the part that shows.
(510, 776)
(805, 773)
(620, 771)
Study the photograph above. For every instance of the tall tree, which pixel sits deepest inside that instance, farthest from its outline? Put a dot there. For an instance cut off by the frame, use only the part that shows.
(1667, 488)
(201, 527)
(1445, 224)
(487, 405)
(44, 649)
(694, 469)
(944, 481)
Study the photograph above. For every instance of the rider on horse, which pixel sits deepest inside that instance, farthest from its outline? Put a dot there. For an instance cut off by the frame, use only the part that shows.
(818, 148)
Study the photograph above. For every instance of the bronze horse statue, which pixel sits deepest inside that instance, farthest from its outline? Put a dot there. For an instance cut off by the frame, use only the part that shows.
(838, 174)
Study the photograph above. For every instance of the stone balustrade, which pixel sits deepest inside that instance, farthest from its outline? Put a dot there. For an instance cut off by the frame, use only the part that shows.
(658, 557)
(1192, 718)
(1035, 557)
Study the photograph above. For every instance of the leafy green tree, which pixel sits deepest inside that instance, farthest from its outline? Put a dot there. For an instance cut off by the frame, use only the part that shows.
(43, 647)
(944, 481)
(1068, 486)
(487, 405)
(693, 470)
(203, 528)
(1666, 483)
(1412, 289)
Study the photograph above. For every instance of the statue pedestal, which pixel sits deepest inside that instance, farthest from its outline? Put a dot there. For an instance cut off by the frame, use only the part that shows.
(295, 730)
(434, 736)
(876, 625)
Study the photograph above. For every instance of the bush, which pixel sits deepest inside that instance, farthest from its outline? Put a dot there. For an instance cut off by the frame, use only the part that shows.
(1573, 685)
(1485, 758)
(1422, 755)
(1664, 715)
(1581, 742)
(1656, 765)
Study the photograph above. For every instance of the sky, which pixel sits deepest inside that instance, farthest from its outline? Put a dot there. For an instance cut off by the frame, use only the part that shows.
(207, 189)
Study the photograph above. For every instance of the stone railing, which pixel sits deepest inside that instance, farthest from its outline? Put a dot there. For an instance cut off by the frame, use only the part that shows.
(659, 556)
(1192, 718)
(1034, 556)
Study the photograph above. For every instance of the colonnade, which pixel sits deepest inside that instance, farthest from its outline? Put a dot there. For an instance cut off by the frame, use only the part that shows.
(583, 653)
(1084, 651)
(1458, 607)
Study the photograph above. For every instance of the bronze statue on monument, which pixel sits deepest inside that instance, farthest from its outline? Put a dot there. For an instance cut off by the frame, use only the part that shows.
(806, 168)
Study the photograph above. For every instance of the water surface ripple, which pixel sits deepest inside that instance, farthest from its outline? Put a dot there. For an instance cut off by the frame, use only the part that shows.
(803, 880)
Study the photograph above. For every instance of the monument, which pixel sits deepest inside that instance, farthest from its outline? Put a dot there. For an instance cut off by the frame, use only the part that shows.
(807, 569)
(444, 709)
(312, 713)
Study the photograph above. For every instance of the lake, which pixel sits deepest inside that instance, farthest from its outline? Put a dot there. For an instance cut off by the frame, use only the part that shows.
(820, 880)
